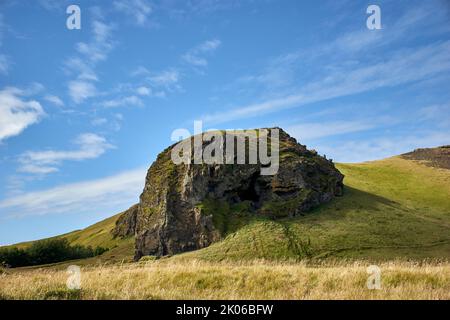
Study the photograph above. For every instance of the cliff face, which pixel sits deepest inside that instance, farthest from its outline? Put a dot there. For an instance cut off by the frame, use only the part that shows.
(186, 206)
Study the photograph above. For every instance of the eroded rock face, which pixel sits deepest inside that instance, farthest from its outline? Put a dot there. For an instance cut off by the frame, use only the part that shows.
(180, 204)
(126, 224)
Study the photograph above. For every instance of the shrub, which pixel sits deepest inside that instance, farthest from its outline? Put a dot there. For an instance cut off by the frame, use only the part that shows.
(46, 251)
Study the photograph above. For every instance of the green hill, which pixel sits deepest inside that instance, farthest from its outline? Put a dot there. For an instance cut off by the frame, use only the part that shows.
(392, 208)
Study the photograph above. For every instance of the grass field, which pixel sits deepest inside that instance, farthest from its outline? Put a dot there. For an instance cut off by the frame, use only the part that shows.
(392, 210)
(166, 279)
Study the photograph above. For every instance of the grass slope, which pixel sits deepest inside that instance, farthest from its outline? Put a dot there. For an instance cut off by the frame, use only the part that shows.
(98, 234)
(391, 208)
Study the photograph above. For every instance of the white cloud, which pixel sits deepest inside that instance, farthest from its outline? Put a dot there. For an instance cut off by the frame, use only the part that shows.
(81, 90)
(138, 10)
(382, 146)
(99, 121)
(157, 84)
(310, 131)
(126, 101)
(42, 162)
(4, 64)
(84, 71)
(55, 100)
(90, 54)
(165, 78)
(101, 44)
(144, 91)
(53, 4)
(195, 60)
(140, 71)
(16, 113)
(196, 57)
(402, 67)
(109, 193)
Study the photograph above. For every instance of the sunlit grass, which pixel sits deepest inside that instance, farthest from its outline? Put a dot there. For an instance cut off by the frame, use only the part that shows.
(167, 279)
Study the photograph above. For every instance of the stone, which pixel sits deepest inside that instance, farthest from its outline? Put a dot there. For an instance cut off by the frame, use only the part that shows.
(182, 206)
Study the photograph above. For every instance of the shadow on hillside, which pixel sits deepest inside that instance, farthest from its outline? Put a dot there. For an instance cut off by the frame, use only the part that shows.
(369, 199)
(355, 199)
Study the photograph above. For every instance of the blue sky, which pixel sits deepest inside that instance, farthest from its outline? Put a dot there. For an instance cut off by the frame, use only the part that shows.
(83, 113)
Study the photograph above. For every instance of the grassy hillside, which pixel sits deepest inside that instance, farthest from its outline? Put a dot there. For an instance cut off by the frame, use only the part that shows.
(98, 235)
(391, 208)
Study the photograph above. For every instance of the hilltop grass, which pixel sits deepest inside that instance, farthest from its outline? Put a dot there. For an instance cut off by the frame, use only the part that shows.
(165, 279)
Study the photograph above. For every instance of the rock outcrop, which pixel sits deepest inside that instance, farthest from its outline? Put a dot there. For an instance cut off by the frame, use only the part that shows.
(438, 157)
(186, 207)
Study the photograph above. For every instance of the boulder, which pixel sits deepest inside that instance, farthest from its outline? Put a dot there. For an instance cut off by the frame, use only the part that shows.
(185, 207)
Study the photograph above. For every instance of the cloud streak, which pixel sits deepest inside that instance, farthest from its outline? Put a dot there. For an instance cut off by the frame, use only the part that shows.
(196, 56)
(138, 10)
(83, 87)
(316, 130)
(109, 193)
(403, 66)
(90, 145)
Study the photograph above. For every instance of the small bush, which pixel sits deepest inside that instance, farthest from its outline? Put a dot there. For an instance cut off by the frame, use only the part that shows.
(46, 251)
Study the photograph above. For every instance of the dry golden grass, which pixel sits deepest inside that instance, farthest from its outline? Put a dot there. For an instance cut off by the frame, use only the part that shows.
(167, 279)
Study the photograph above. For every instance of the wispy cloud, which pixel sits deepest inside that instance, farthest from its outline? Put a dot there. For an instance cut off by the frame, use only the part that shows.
(4, 64)
(90, 146)
(196, 55)
(82, 70)
(138, 10)
(5, 61)
(90, 53)
(17, 113)
(315, 130)
(100, 45)
(53, 4)
(165, 78)
(144, 91)
(140, 71)
(156, 83)
(121, 102)
(54, 100)
(382, 146)
(109, 193)
(403, 66)
(81, 90)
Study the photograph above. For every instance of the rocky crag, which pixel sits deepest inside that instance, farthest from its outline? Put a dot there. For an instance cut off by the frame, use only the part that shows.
(186, 207)
(434, 157)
